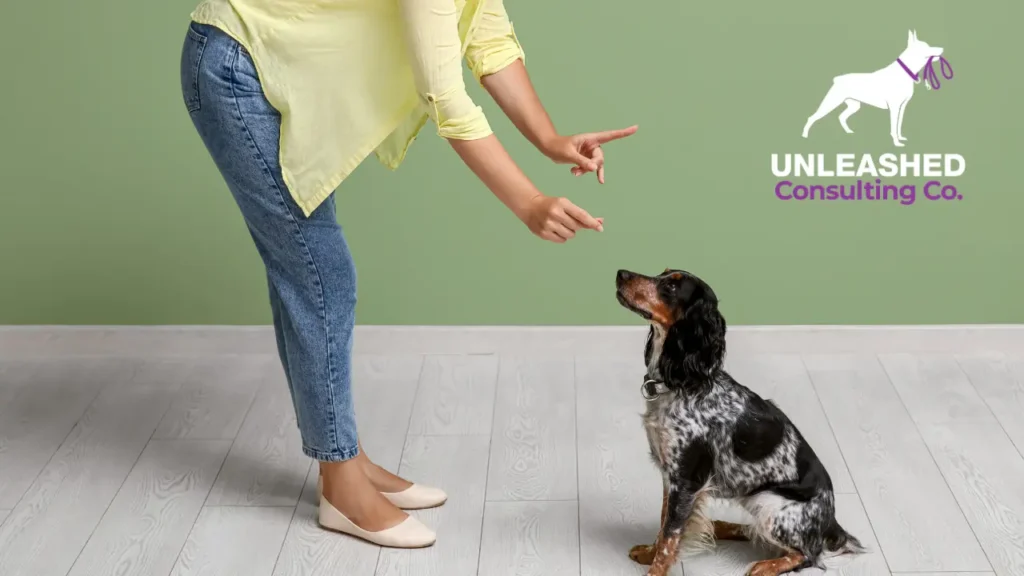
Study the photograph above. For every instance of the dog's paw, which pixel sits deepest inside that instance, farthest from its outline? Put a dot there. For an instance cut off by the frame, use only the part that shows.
(763, 569)
(642, 554)
(897, 143)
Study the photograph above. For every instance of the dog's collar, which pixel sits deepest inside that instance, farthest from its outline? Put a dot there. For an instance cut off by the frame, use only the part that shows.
(931, 79)
(911, 73)
(652, 388)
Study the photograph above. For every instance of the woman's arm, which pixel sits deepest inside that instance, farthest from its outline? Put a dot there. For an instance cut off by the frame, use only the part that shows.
(498, 62)
(554, 219)
(514, 93)
(436, 54)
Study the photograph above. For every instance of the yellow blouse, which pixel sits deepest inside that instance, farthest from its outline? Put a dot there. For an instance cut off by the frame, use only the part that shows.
(354, 76)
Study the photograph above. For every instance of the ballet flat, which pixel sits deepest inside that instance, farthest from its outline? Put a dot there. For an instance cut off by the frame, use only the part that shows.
(411, 533)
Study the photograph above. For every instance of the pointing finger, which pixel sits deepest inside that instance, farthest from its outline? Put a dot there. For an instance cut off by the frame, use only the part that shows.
(609, 135)
(581, 216)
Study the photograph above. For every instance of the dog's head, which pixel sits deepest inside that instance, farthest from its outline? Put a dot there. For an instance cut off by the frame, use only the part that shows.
(920, 48)
(683, 310)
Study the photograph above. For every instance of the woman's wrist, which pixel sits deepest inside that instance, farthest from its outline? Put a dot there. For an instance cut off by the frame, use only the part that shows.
(489, 160)
(548, 144)
(522, 203)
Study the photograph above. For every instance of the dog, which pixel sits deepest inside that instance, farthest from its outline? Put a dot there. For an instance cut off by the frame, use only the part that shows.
(890, 88)
(712, 437)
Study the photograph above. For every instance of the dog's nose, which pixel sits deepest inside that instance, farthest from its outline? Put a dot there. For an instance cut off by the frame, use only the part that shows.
(623, 275)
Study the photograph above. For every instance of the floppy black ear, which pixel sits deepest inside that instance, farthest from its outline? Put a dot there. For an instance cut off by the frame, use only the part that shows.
(698, 343)
(649, 346)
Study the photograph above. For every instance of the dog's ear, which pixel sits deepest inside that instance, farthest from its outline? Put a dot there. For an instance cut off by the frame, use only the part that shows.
(698, 344)
(649, 345)
(910, 37)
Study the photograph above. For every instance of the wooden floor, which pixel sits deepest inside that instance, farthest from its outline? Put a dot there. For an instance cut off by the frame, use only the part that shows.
(188, 467)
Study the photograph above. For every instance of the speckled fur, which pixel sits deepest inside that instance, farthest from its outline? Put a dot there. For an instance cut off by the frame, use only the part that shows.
(711, 436)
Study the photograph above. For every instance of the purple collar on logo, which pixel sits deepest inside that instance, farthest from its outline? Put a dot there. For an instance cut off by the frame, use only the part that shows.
(928, 73)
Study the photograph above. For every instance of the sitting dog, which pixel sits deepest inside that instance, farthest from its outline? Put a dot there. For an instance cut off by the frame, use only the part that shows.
(712, 437)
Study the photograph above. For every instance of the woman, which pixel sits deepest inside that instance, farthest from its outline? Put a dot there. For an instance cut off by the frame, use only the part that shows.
(289, 96)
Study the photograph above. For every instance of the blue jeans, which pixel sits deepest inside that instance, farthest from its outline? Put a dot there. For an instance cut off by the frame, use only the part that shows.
(310, 273)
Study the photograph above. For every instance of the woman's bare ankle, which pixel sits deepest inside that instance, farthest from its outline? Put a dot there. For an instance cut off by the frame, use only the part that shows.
(348, 488)
(382, 480)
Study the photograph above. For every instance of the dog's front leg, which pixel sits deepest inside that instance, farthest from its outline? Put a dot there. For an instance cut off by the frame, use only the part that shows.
(644, 553)
(899, 122)
(666, 548)
(894, 123)
(688, 483)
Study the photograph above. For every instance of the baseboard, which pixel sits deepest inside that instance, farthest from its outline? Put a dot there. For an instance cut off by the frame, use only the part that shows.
(176, 341)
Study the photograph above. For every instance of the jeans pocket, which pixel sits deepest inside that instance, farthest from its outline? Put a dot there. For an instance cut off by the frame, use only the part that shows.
(244, 76)
(191, 58)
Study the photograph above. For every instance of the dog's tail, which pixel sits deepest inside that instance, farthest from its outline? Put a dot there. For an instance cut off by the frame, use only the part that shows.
(839, 542)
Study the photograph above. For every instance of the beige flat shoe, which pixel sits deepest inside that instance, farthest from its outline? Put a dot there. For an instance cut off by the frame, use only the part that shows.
(411, 533)
(415, 497)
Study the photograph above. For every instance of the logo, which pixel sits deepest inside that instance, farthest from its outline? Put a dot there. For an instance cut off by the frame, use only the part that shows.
(890, 88)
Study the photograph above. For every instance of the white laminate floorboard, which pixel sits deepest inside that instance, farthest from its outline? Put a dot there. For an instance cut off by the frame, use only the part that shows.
(1000, 381)
(533, 444)
(265, 466)
(455, 396)
(234, 541)
(40, 402)
(620, 490)
(384, 389)
(149, 520)
(214, 398)
(530, 539)
(918, 523)
(47, 530)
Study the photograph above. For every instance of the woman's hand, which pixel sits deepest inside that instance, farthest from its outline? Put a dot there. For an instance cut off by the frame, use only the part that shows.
(557, 219)
(584, 150)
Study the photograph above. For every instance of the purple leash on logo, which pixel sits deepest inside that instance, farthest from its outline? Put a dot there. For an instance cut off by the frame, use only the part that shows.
(928, 73)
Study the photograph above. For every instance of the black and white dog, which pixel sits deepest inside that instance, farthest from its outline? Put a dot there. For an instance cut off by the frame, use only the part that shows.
(712, 437)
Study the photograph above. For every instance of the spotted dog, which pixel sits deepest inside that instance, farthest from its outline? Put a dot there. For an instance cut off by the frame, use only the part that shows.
(712, 437)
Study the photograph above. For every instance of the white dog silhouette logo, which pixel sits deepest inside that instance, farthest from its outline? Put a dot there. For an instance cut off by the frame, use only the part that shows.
(889, 88)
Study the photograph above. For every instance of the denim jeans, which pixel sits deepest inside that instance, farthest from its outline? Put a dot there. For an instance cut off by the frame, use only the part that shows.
(310, 273)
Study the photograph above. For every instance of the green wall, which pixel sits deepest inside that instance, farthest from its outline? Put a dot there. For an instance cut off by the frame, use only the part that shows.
(112, 213)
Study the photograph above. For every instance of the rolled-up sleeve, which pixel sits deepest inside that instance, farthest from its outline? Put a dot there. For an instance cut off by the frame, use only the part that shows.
(432, 33)
(494, 44)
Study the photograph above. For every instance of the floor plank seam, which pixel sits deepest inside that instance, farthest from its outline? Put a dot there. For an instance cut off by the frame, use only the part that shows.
(245, 507)
(220, 471)
(405, 442)
(576, 445)
(56, 451)
(541, 501)
(860, 500)
(988, 406)
(106, 511)
(487, 467)
(935, 462)
(450, 435)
